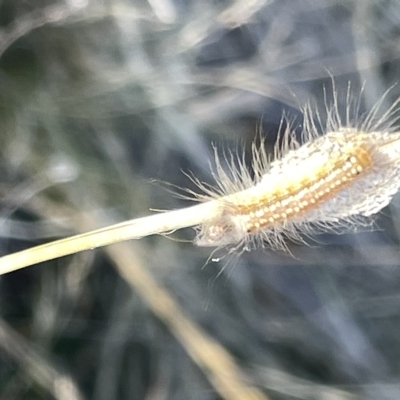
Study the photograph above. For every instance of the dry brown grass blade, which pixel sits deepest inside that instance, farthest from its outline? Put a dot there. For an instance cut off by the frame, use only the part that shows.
(215, 361)
(38, 368)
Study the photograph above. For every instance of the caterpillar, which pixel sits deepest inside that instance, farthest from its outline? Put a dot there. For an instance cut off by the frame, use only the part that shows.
(333, 181)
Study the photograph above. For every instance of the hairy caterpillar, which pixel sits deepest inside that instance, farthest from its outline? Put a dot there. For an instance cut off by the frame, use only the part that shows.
(332, 182)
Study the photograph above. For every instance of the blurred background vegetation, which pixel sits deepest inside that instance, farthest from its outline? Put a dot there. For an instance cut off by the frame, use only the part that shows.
(100, 97)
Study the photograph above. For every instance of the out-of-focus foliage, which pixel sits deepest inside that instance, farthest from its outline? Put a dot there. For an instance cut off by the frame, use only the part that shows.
(99, 97)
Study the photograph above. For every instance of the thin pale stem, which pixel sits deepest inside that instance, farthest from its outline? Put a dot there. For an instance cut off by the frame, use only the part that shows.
(132, 229)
